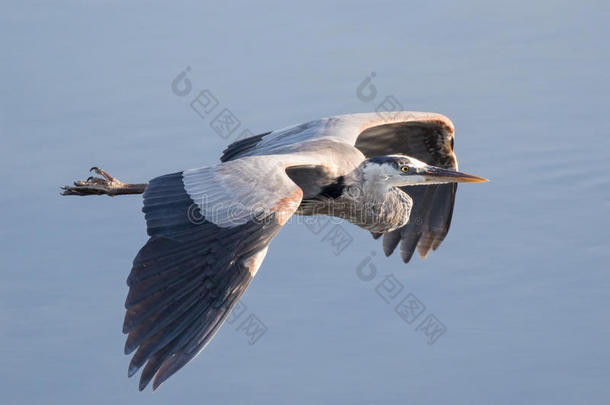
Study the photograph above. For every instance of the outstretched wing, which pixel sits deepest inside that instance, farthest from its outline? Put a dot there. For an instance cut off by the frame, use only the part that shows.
(209, 231)
(424, 136)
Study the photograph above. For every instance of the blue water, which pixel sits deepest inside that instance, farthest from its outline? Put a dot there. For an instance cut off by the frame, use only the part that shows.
(521, 285)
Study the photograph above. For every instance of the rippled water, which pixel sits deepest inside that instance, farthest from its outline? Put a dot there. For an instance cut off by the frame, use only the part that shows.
(520, 285)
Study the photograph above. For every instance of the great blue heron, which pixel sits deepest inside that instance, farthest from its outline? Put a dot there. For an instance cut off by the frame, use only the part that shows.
(210, 227)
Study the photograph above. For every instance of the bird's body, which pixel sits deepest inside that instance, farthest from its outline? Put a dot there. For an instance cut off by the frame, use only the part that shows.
(210, 227)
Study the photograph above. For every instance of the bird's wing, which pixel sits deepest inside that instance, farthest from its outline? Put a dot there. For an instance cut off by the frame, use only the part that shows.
(424, 136)
(429, 139)
(209, 231)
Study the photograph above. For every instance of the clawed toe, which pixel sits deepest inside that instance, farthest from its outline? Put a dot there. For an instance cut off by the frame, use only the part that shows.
(106, 184)
(94, 185)
(103, 173)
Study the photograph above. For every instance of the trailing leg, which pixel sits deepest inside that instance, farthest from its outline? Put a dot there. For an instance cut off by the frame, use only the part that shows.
(107, 184)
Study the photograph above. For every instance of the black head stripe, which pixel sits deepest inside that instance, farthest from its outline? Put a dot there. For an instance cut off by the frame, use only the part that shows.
(390, 160)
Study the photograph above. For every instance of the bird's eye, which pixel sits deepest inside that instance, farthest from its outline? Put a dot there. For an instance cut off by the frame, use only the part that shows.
(404, 169)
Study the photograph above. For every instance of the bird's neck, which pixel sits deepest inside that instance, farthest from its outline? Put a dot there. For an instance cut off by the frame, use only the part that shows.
(372, 190)
(378, 207)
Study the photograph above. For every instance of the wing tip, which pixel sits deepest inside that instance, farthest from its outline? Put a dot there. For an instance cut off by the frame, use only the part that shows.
(130, 346)
(424, 255)
(406, 255)
(132, 370)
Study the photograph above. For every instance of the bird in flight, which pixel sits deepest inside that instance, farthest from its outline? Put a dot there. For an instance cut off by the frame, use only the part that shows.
(210, 227)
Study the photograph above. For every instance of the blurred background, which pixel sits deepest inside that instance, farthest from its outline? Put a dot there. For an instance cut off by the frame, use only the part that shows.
(518, 292)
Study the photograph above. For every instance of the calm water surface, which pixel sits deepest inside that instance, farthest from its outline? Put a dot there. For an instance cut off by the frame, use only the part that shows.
(521, 284)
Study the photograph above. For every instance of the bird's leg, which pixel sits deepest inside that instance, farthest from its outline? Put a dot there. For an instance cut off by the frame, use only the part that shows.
(107, 184)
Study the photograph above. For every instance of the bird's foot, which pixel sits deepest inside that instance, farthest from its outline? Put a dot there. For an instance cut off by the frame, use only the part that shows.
(106, 184)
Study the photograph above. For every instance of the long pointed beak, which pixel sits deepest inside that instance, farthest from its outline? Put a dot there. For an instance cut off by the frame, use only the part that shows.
(437, 174)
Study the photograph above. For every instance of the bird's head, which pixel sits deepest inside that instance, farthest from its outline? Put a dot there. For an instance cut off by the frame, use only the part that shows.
(401, 170)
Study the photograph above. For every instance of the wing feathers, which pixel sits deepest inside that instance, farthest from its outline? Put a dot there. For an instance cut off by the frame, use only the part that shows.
(191, 272)
(390, 241)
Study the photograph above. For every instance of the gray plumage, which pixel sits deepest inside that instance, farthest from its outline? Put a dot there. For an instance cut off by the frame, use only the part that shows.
(365, 202)
(210, 227)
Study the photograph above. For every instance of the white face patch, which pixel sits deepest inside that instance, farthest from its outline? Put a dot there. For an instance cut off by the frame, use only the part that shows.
(378, 172)
(417, 163)
(413, 179)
